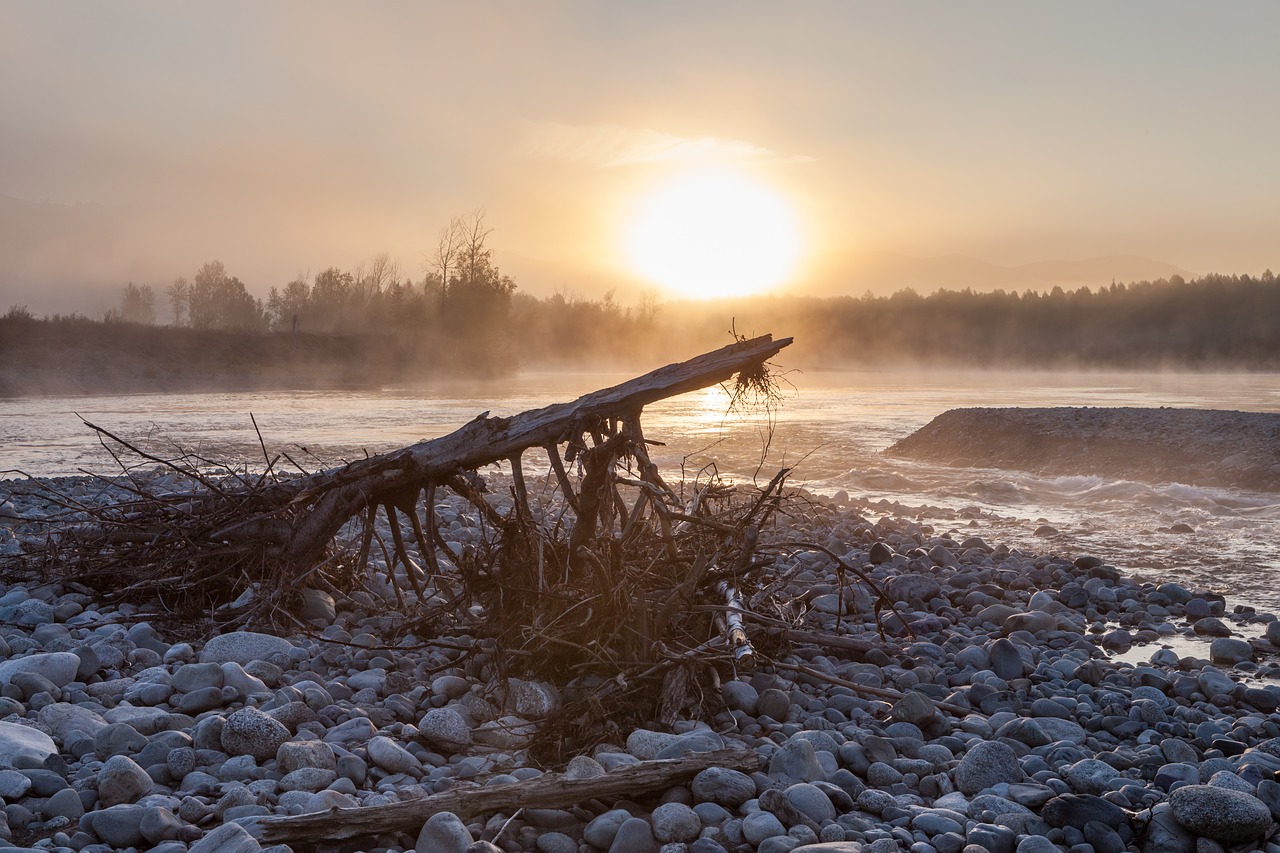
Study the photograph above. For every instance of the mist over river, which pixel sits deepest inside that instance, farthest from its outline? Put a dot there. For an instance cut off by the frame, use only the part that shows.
(831, 426)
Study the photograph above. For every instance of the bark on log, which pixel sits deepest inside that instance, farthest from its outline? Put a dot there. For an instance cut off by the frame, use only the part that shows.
(549, 791)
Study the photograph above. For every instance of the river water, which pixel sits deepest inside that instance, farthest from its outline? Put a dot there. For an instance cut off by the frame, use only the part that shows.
(830, 426)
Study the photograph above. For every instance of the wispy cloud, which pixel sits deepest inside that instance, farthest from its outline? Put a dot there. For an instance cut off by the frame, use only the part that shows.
(610, 145)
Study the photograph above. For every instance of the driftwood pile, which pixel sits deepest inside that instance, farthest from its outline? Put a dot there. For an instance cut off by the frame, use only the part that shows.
(633, 596)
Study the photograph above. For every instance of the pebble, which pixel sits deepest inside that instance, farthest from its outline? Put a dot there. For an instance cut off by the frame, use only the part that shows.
(1014, 733)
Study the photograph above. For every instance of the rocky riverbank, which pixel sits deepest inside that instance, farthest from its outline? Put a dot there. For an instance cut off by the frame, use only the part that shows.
(1201, 447)
(993, 717)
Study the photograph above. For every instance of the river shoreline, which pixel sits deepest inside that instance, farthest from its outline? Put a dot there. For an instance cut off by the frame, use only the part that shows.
(1017, 729)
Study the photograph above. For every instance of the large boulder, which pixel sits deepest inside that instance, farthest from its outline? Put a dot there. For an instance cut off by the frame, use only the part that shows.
(19, 741)
(252, 732)
(987, 763)
(1225, 815)
(59, 667)
(244, 647)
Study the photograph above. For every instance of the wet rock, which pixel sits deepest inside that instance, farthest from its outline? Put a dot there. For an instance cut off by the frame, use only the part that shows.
(1230, 651)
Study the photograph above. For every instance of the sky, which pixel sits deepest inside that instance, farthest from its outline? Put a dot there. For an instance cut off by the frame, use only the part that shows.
(908, 143)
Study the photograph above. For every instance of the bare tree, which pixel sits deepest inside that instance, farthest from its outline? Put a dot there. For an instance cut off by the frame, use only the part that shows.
(179, 295)
(448, 248)
(474, 260)
(137, 305)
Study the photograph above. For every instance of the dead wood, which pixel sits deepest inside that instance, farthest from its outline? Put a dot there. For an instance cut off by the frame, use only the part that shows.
(549, 791)
(632, 597)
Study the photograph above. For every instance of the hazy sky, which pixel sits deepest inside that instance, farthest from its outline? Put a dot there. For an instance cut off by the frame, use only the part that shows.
(140, 139)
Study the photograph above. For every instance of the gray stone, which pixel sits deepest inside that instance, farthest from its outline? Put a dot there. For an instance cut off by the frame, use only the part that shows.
(117, 826)
(244, 647)
(65, 803)
(740, 696)
(1036, 844)
(645, 744)
(722, 786)
(390, 756)
(937, 823)
(227, 838)
(59, 667)
(309, 779)
(757, 826)
(675, 822)
(200, 700)
(1230, 651)
(811, 802)
(1226, 816)
(445, 727)
(601, 831)
(197, 676)
(1090, 776)
(121, 780)
(912, 587)
(796, 761)
(317, 606)
(252, 732)
(1165, 835)
(117, 739)
(1067, 730)
(775, 704)
(1005, 660)
(293, 755)
(986, 763)
(159, 825)
(583, 767)
(1078, 809)
(63, 718)
(13, 785)
(549, 842)
(634, 836)
(23, 743)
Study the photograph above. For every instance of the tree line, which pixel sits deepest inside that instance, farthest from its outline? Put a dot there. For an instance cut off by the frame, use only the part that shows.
(463, 314)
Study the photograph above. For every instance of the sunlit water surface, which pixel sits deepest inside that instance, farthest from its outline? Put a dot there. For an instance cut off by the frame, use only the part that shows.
(832, 427)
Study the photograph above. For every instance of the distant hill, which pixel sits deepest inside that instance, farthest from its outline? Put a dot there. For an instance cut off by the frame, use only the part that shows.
(884, 273)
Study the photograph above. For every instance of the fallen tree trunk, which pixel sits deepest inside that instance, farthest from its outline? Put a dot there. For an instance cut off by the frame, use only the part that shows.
(549, 791)
(334, 496)
(237, 529)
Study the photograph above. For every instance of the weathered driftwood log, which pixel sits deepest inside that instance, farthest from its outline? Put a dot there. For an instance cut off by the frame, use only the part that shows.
(549, 791)
(334, 497)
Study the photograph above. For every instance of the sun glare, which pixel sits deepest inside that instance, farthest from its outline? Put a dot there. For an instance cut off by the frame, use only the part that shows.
(717, 233)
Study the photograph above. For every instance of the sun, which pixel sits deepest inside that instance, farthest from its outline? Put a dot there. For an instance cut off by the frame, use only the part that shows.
(713, 233)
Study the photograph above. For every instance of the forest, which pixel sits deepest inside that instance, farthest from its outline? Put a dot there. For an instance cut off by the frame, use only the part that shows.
(374, 325)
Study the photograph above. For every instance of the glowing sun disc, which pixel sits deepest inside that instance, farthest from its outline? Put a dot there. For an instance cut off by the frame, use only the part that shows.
(713, 233)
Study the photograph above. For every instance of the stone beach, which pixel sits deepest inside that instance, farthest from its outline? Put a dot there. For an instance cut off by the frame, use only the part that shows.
(1017, 732)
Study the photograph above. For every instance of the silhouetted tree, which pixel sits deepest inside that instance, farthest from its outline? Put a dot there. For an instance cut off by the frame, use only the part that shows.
(137, 305)
(220, 301)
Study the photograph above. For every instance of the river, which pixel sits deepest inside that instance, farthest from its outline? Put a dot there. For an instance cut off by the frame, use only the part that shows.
(830, 426)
